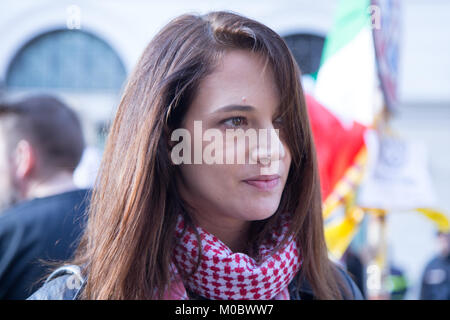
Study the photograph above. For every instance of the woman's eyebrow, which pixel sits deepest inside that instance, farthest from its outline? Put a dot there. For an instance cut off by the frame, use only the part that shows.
(234, 107)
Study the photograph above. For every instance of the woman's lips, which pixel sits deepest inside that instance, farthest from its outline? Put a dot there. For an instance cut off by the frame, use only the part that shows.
(264, 183)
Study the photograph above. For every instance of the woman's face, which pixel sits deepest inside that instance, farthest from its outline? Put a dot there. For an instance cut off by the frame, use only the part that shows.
(239, 94)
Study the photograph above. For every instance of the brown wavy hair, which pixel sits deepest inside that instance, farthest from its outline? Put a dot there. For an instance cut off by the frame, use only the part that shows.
(127, 245)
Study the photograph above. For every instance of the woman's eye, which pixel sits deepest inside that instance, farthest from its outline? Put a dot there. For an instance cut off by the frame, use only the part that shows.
(235, 122)
(279, 121)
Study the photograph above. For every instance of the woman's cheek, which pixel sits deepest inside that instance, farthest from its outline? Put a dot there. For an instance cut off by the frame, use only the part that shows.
(236, 148)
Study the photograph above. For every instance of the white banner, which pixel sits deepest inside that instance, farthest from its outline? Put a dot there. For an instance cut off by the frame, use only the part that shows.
(398, 176)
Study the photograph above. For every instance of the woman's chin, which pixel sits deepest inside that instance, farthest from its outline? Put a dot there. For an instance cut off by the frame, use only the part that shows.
(259, 211)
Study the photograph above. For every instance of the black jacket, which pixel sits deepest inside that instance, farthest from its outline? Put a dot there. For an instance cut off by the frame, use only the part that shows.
(43, 229)
(66, 283)
(436, 279)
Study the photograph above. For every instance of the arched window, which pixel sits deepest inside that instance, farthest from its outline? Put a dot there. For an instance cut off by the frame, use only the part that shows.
(307, 50)
(66, 59)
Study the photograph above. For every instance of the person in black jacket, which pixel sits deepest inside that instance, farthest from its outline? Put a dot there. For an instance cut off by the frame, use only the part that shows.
(41, 143)
(436, 276)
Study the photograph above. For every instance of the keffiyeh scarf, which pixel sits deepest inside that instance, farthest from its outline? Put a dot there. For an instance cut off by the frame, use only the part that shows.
(224, 275)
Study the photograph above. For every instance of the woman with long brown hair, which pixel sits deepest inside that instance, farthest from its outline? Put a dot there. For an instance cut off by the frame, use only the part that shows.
(164, 228)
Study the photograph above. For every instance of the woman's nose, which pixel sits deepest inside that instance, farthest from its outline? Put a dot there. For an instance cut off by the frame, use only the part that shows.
(269, 147)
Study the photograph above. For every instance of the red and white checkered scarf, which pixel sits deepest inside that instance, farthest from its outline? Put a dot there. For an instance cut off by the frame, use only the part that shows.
(225, 275)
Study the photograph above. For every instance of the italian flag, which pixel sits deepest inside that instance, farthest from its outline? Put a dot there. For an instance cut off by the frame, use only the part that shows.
(347, 98)
(345, 103)
(347, 81)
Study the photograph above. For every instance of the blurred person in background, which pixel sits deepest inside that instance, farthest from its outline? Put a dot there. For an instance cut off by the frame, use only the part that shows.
(41, 143)
(356, 268)
(436, 277)
(397, 283)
